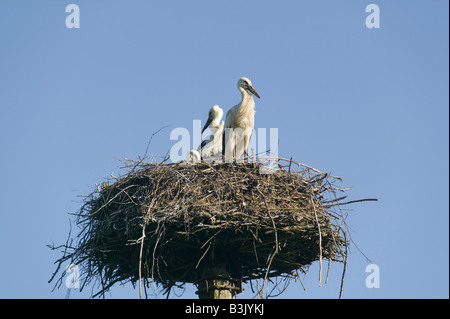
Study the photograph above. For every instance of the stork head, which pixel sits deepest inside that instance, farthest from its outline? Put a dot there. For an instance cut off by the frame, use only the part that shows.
(215, 115)
(244, 84)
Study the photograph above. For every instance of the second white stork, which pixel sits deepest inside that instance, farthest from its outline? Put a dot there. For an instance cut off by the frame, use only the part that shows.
(212, 145)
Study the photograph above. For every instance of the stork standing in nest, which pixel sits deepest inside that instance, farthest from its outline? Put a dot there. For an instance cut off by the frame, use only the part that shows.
(211, 147)
(239, 123)
(213, 144)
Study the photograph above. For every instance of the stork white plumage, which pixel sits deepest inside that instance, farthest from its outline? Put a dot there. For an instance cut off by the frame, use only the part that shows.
(193, 157)
(239, 122)
(213, 144)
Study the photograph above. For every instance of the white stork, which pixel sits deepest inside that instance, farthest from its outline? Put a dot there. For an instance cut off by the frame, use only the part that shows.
(193, 157)
(213, 144)
(239, 122)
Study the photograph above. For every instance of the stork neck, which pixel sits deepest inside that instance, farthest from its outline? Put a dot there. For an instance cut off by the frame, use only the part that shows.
(215, 123)
(247, 98)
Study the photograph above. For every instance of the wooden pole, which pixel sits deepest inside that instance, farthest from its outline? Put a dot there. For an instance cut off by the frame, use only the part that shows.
(217, 283)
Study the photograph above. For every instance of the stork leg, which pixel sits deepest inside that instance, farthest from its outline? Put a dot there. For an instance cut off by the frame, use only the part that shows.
(234, 148)
(246, 140)
(228, 145)
(223, 147)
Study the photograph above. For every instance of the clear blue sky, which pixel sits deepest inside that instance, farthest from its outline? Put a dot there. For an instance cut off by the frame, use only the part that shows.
(369, 105)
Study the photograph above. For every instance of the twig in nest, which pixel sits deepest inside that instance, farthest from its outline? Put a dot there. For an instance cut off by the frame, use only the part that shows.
(140, 260)
(320, 242)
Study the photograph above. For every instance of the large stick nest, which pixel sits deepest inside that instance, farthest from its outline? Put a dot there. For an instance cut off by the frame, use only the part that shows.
(168, 222)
